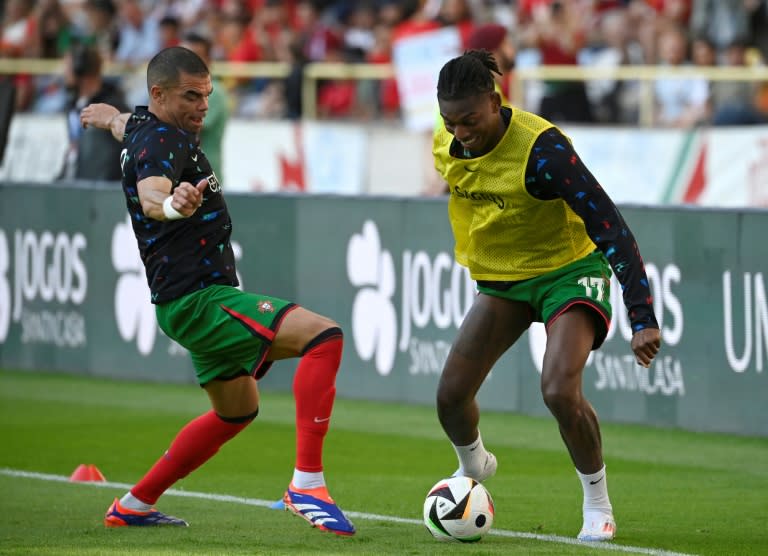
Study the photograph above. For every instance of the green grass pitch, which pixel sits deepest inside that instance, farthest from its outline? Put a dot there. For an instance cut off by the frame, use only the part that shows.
(673, 492)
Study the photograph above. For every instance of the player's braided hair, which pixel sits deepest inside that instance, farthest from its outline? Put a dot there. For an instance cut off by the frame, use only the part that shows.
(467, 75)
(168, 64)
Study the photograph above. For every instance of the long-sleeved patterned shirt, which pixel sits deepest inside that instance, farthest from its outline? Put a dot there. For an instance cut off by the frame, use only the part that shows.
(555, 170)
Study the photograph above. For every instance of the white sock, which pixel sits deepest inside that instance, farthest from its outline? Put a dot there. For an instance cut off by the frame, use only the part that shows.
(130, 502)
(595, 488)
(306, 480)
(471, 457)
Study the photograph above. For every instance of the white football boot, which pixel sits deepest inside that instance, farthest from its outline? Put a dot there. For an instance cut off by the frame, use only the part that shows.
(488, 470)
(599, 525)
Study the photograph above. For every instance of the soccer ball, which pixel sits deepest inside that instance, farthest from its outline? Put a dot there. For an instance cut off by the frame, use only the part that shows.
(458, 509)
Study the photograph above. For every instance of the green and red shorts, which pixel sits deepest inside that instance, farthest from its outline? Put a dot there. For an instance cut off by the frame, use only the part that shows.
(586, 282)
(228, 332)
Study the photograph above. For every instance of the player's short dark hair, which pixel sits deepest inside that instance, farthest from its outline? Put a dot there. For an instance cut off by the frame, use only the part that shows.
(467, 75)
(168, 64)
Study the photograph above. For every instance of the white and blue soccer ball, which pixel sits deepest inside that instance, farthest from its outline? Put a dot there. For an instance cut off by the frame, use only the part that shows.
(458, 509)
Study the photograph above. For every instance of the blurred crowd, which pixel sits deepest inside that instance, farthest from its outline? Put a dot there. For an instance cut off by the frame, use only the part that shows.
(86, 34)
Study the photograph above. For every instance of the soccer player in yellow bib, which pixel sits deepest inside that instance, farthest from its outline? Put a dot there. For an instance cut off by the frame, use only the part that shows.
(540, 237)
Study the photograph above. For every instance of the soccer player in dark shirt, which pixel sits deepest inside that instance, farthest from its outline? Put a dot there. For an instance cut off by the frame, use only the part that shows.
(540, 236)
(183, 231)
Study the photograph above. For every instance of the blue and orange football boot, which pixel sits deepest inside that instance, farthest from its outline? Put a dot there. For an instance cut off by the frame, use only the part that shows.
(316, 506)
(117, 516)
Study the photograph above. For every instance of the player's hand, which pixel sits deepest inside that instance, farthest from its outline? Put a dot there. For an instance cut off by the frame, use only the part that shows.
(98, 115)
(646, 344)
(187, 198)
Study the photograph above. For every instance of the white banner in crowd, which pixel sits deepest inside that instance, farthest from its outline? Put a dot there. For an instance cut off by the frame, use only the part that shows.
(632, 167)
(716, 167)
(35, 149)
(415, 59)
(737, 168)
(283, 156)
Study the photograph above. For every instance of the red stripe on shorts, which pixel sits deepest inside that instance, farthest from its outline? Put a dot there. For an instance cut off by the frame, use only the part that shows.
(597, 309)
(254, 327)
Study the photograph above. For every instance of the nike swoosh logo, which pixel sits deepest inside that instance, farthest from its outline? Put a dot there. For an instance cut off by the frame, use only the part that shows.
(597, 481)
(473, 449)
(318, 420)
(468, 168)
(194, 157)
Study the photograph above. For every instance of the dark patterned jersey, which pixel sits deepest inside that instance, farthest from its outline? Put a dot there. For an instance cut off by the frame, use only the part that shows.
(556, 171)
(180, 256)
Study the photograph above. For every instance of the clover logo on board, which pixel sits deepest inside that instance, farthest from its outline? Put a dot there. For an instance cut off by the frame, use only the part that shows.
(134, 312)
(5, 288)
(371, 269)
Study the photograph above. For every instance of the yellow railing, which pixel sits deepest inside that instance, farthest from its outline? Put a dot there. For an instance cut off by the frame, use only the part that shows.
(38, 66)
(313, 72)
(645, 75)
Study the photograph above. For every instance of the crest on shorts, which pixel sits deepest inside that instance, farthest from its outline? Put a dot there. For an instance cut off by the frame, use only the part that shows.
(266, 307)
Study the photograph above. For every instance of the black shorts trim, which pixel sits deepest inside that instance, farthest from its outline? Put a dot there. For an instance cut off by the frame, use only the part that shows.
(324, 336)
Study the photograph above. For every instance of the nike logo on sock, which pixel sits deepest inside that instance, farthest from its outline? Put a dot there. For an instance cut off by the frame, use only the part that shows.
(597, 481)
(318, 420)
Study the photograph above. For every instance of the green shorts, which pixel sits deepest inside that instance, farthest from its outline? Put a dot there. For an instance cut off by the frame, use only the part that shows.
(227, 331)
(585, 282)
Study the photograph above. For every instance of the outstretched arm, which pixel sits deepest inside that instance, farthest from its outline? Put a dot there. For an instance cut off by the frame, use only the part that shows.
(555, 170)
(105, 116)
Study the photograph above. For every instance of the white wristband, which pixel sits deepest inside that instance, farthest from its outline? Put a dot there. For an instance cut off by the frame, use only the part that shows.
(170, 212)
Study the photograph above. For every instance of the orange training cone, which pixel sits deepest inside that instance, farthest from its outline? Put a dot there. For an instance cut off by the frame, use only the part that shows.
(87, 472)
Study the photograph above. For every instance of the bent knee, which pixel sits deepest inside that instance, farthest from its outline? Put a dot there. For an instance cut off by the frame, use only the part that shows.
(449, 397)
(558, 400)
(240, 419)
(300, 331)
(560, 394)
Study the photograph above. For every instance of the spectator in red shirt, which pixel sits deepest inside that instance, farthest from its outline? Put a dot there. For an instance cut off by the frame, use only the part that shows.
(335, 98)
(381, 53)
(170, 31)
(676, 11)
(16, 41)
(419, 21)
(459, 14)
(557, 29)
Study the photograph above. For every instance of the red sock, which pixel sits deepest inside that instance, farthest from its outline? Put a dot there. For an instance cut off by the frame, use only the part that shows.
(314, 389)
(195, 444)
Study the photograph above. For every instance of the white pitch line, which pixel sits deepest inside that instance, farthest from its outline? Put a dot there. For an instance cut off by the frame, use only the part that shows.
(360, 515)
